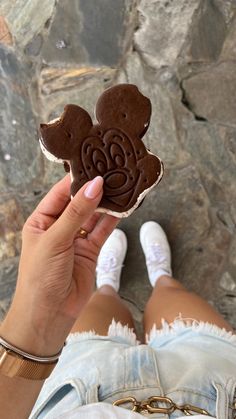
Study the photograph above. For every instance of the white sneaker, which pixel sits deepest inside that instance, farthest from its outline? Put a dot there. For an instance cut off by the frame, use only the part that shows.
(110, 260)
(157, 251)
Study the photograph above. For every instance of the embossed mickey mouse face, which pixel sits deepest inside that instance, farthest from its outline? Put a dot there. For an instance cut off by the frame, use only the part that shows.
(112, 148)
(109, 158)
(123, 167)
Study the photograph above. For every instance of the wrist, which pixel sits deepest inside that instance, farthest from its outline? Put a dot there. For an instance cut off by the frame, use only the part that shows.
(37, 339)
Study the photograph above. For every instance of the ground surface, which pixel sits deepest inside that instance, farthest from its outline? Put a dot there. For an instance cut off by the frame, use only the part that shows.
(180, 54)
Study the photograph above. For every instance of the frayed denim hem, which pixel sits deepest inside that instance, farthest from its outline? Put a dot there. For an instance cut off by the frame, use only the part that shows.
(118, 332)
(180, 325)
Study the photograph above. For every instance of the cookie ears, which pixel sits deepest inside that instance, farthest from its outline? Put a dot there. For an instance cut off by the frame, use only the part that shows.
(120, 107)
(124, 107)
(61, 136)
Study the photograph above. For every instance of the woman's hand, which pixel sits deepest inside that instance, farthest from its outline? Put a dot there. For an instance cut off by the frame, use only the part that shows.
(57, 267)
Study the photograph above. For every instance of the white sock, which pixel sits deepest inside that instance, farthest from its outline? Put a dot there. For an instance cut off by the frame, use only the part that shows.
(154, 276)
(108, 281)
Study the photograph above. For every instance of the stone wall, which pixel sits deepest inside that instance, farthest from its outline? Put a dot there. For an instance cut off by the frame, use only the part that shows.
(182, 54)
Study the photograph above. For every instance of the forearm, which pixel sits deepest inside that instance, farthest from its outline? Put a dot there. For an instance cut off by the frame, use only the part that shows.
(17, 394)
(17, 397)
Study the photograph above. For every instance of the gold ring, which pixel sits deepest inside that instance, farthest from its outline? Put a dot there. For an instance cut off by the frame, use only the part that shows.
(83, 233)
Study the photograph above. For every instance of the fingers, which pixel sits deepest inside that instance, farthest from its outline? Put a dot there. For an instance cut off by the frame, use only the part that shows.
(103, 229)
(91, 223)
(78, 211)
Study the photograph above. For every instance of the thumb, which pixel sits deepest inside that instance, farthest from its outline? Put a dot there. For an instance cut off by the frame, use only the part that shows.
(79, 210)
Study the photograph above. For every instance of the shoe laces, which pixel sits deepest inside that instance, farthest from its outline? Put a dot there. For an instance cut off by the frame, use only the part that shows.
(155, 254)
(108, 263)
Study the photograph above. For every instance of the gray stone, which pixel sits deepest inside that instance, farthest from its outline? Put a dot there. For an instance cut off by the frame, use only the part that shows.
(103, 33)
(53, 172)
(8, 276)
(227, 9)
(227, 282)
(226, 306)
(5, 35)
(232, 257)
(161, 137)
(3, 310)
(26, 19)
(163, 29)
(200, 93)
(81, 87)
(63, 45)
(230, 141)
(168, 78)
(81, 33)
(30, 198)
(19, 148)
(54, 80)
(34, 46)
(208, 146)
(229, 48)
(11, 223)
(201, 266)
(206, 41)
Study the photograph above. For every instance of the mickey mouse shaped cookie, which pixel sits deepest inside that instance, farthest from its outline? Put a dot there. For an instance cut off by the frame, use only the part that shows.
(112, 148)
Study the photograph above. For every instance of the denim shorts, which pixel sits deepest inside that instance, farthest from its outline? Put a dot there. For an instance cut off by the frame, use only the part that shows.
(188, 362)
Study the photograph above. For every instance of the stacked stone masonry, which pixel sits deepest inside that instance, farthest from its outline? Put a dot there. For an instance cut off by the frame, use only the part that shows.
(181, 54)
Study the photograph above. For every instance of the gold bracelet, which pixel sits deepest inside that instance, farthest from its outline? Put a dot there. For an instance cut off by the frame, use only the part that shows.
(16, 363)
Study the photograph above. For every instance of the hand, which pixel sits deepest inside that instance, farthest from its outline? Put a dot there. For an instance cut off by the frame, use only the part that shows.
(57, 267)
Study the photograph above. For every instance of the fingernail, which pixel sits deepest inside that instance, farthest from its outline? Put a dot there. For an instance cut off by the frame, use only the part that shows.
(94, 188)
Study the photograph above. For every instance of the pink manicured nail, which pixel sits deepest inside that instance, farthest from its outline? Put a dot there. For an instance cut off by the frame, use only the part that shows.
(94, 188)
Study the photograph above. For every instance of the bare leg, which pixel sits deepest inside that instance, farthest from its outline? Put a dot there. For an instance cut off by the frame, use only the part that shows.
(169, 298)
(104, 305)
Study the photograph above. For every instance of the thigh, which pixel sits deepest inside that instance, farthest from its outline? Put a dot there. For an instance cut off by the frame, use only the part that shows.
(170, 298)
(103, 306)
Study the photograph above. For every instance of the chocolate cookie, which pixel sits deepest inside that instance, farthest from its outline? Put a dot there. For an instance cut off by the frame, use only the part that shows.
(112, 148)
